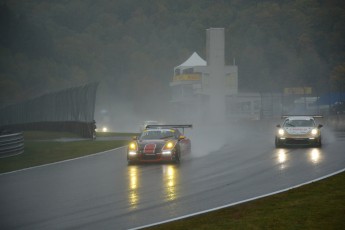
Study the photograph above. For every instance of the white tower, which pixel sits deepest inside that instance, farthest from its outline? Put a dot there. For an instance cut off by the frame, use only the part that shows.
(216, 62)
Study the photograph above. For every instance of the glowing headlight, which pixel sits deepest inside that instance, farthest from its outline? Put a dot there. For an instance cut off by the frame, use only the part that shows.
(132, 153)
(133, 146)
(104, 129)
(166, 152)
(169, 145)
(132, 149)
(314, 131)
(281, 132)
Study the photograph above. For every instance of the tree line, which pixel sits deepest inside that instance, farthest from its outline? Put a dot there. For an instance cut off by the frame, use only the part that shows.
(132, 46)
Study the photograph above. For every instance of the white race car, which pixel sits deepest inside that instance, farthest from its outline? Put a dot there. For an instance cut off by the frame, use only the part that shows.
(298, 130)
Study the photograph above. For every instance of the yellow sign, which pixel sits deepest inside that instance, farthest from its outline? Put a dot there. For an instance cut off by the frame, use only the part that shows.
(298, 90)
(188, 77)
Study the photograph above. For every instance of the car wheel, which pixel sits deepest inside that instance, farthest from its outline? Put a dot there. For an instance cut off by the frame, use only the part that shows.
(177, 156)
(319, 143)
(277, 143)
(130, 162)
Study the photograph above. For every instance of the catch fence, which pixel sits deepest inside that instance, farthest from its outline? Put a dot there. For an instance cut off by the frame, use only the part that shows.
(66, 110)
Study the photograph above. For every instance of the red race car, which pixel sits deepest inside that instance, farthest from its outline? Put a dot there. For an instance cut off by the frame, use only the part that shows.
(159, 143)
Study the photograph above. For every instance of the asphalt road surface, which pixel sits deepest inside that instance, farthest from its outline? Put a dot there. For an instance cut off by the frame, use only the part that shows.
(102, 192)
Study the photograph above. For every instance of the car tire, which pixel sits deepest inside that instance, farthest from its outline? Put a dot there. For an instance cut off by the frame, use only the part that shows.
(177, 156)
(130, 162)
(319, 143)
(277, 143)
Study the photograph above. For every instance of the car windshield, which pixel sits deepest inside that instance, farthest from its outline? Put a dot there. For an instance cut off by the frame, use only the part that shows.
(156, 134)
(299, 123)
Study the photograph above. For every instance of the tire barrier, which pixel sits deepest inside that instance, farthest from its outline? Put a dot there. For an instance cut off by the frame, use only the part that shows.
(11, 144)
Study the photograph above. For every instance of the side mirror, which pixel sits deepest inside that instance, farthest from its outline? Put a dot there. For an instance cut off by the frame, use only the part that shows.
(278, 126)
(134, 138)
(181, 137)
(320, 126)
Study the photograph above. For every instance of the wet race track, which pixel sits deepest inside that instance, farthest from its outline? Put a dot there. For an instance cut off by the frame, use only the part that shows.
(102, 192)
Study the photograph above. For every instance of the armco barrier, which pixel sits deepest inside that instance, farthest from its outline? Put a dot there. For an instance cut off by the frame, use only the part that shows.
(11, 144)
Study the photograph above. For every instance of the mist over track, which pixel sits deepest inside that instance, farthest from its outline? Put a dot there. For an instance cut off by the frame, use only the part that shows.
(233, 163)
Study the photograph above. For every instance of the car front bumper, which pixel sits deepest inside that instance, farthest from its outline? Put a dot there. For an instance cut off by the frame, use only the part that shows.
(299, 140)
(157, 157)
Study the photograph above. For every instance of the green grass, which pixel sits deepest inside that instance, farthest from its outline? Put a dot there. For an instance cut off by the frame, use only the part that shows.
(320, 205)
(47, 151)
(40, 135)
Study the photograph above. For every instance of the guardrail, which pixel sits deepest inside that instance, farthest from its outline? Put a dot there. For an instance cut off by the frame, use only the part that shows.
(11, 144)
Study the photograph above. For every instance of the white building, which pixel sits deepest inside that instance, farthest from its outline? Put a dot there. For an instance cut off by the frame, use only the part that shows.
(200, 88)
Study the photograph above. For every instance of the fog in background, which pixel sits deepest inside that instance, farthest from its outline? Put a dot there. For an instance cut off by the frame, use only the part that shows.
(132, 47)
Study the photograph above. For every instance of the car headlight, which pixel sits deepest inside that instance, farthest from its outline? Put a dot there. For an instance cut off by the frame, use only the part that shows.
(314, 131)
(169, 145)
(132, 146)
(166, 152)
(132, 153)
(281, 132)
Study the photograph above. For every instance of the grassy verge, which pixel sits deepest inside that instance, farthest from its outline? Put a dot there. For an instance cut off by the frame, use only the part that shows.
(39, 135)
(320, 205)
(48, 151)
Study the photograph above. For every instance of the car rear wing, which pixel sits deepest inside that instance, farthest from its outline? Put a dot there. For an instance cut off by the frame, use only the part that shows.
(314, 116)
(169, 127)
